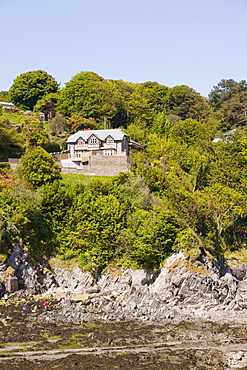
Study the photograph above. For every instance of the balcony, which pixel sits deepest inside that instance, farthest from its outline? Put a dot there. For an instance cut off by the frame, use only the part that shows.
(93, 146)
(81, 147)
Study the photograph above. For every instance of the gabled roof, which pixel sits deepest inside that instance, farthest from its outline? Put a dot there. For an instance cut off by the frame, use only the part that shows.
(7, 104)
(116, 134)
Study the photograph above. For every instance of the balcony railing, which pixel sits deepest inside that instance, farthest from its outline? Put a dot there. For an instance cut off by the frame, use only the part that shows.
(93, 146)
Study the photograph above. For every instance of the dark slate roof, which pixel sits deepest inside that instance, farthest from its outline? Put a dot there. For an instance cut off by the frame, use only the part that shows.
(116, 134)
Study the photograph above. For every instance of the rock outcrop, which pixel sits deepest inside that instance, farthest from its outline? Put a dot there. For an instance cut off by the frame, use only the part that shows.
(182, 289)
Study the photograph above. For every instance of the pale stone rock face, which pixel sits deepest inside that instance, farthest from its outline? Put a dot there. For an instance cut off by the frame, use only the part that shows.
(174, 292)
(237, 360)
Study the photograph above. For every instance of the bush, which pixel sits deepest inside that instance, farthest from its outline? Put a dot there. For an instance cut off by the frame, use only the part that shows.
(4, 166)
(38, 167)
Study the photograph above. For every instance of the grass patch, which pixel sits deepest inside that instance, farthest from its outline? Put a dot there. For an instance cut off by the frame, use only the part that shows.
(47, 336)
(68, 178)
(197, 268)
(13, 117)
(93, 325)
(65, 264)
(27, 344)
(77, 336)
(67, 346)
(34, 344)
(235, 257)
(55, 337)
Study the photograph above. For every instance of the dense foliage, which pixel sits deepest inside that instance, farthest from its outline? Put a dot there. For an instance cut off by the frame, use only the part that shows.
(31, 86)
(11, 144)
(193, 197)
(38, 167)
(187, 189)
(229, 98)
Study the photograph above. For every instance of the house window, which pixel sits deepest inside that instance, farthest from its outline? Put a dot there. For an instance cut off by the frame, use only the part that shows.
(93, 140)
(108, 152)
(78, 154)
(80, 141)
(109, 140)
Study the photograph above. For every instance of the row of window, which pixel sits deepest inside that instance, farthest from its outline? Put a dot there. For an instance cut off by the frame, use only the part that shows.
(108, 152)
(78, 154)
(94, 140)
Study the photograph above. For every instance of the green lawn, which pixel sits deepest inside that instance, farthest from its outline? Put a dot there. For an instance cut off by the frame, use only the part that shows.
(68, 178)
(13, 117)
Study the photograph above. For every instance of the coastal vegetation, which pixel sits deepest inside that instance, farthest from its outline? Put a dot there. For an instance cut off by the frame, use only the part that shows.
(187, 188)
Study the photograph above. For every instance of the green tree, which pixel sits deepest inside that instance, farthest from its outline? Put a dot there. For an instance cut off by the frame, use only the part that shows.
(190, 131)
(229, 164)
(138, 107)
(222, 92)
(161, 125)
(225, 206)
(47, 105)
(229, 97)
(30, 87)
(138, 102)
(155, 94)
(136, 132)
(11, 143)
(155, 234)
(38, 167)
(155, 146)
(21, 219)
(37, 137)
(185, 102)
(125, 89)
(94, 228)
(8, 232)
(58, 124)
(76, 122)
(4, 96)
(90, 96)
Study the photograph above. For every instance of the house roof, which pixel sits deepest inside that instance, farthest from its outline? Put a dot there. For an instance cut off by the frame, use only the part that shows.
(135, 145)
(116, 134)
(7, 104)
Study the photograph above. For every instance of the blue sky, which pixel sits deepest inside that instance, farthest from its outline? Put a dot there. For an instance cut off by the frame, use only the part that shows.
(193, 42)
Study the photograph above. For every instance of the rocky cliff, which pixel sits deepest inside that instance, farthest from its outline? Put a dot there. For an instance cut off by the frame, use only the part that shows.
(203, 288)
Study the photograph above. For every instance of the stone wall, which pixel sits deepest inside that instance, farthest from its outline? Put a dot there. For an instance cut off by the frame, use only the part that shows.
(102, 166)
(14, 163)
(109, 165)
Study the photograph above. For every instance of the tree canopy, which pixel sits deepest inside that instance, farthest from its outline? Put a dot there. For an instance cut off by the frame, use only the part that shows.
(38, 167)
(30, 87)
(186, 190)
(89, 95)
(230, 98)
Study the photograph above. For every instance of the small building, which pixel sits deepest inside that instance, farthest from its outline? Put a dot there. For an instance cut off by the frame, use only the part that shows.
(42, 116)
(11, 284)
(99, 152)
(8, 106)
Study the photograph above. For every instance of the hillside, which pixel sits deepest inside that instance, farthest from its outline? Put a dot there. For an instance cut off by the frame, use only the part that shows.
(186, 190)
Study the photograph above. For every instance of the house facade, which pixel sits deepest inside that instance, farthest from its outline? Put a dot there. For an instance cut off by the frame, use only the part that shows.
(100, 152)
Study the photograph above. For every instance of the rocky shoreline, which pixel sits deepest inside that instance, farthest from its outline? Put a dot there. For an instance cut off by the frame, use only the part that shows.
(197, 292)
(182, 290)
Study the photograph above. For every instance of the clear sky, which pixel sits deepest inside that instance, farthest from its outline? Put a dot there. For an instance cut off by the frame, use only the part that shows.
(173, 42)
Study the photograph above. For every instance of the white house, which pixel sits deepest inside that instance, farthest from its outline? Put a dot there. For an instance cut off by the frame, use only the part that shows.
(8, 106)
(103, 152)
